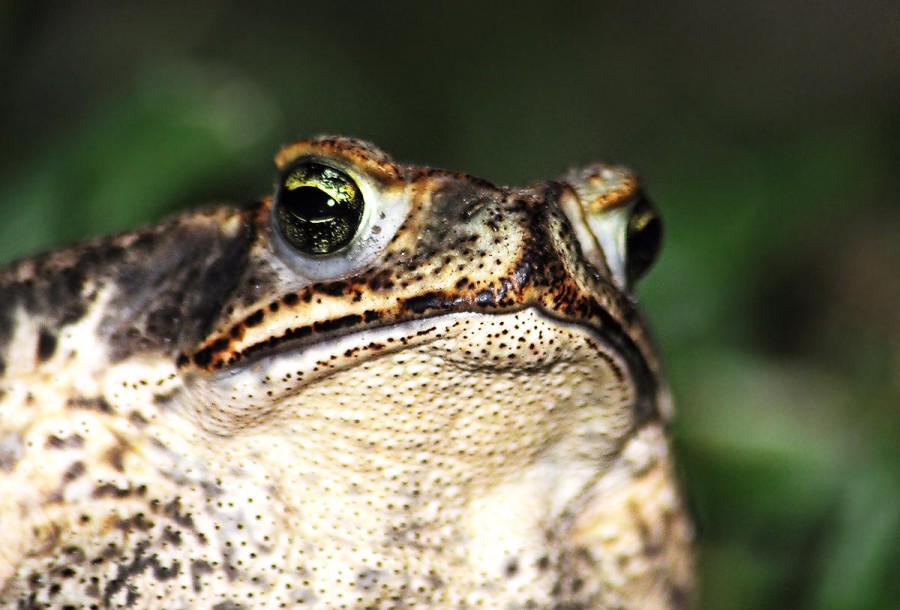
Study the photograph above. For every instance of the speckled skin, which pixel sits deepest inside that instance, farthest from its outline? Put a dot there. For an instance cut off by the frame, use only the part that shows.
(462, 411)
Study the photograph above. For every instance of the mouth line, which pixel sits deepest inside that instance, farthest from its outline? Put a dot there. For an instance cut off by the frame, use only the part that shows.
(414, 319)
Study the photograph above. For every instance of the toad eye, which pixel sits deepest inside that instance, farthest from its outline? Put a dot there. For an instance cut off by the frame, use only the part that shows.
(318, 208)
(643, 237)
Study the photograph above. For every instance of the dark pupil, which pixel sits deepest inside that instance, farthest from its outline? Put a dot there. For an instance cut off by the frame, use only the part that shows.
(318, 208)
(644, 239)
(315, 205)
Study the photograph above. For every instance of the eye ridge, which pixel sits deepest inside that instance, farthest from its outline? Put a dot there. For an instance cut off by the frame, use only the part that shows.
(318, 208)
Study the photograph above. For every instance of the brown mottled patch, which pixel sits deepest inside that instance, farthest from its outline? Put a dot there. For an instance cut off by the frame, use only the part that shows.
(74, 471)
(72, 441)
(114, 457)
(135, 523)
(110, 490)
(137, 418)
(199, 568)
(229, 605)
(91, 404)
(171, 536)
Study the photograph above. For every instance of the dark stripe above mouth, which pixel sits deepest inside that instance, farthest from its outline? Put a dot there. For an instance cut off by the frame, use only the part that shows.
(222, 353)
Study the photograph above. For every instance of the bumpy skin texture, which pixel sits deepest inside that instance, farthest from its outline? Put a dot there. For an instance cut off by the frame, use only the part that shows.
(461, 411)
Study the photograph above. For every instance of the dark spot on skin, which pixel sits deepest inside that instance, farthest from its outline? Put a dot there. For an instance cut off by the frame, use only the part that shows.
(202, 358)
(199, 568)
(512, 568)
(370, 315)
(220, 344)
(67, 442)
(74, 471)
(172, 536)
(337, 323)
(333, 289)
(426, 302)
(367, 579)
(435, 581)
(231, 571)
(139, 563)
(229, 605)
(377, 281)
(114, 457)
(46, 345)
(108, 490)
(205, 356)
(93, 590)
(584, 556)
(254, 319)
(74, 554)
(290, 299)
(174, 512)
(135, 523)
(91, 404)
(137, 419)
(299, 333)
(164, 400)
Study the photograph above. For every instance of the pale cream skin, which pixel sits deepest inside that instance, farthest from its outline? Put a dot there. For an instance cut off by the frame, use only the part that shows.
(460, 408)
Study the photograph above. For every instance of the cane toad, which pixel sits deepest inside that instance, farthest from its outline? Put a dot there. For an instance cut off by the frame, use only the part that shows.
(382, 386)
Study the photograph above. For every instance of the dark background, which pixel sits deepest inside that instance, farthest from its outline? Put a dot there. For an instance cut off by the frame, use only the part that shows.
(768, 132)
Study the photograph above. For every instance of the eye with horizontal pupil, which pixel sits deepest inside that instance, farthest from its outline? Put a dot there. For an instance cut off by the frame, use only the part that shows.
(318, 208)
(643, 239)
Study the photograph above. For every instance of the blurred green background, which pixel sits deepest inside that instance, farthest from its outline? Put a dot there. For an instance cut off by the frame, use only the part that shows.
(768, 132)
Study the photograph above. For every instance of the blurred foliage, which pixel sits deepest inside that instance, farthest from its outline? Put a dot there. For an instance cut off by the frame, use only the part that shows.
(769, 133)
